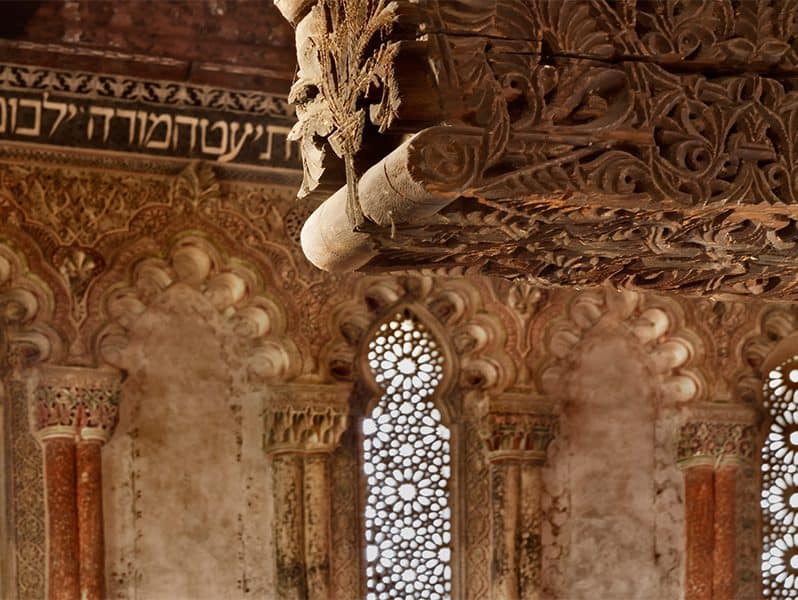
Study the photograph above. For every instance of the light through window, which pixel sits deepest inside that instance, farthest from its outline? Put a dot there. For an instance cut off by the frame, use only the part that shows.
(780, 484)
(407, 467)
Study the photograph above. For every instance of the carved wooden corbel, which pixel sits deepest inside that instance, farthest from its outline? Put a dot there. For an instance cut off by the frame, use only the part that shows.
(562, 142)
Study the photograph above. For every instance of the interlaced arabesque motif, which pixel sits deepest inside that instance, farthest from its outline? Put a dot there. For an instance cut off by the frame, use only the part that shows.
(406, 452)
(780, 484)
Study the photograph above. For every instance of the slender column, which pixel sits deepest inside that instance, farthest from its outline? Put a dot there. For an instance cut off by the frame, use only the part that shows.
(303, 426)
(516, 445)
(63, 569)
(725, 551)
(317, 525)
(529, 565)
(76, 412)
(712, 444)
(90, 519)
(699, 521)
(289, 526)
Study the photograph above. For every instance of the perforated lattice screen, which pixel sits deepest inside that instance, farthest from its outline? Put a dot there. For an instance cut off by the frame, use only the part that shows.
(780, 484)
(407, 467)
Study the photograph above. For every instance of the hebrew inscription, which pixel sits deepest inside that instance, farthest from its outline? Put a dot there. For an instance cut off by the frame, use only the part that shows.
(236, 128)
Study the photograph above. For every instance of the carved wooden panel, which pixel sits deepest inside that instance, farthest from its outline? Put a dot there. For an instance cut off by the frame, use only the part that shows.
(568, 142)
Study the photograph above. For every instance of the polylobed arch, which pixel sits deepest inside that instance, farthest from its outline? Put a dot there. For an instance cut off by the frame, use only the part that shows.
(481, 337)
(658, 324)
(233, 287)
(772, 341)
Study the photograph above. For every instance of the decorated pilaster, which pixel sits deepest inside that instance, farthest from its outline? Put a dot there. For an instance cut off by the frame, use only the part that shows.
(713, 442)
(75, 413)
(517, 434)
(303, 425)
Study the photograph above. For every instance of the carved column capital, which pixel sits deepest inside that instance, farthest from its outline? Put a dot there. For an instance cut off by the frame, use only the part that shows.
(76, 402)
(519, 426)
(713, 433)
(524, 437)
(305, 418)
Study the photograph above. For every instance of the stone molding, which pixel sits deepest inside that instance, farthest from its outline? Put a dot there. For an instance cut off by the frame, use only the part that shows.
(716, 433)
(76, 402)
(305, 418)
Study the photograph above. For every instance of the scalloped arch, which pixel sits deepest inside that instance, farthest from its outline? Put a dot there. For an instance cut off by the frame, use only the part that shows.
(256, 318)
(774, 339)
(478, 337)
(657, 323)
(27, 307)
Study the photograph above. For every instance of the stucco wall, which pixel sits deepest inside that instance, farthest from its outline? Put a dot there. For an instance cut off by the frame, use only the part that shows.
(613, 524)
(188, 507)
(186, 497)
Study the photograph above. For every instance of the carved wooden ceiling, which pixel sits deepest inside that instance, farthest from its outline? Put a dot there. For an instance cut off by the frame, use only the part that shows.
(649, 143)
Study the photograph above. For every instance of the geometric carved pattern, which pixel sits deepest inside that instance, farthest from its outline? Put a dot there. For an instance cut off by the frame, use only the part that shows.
(27, 485)
(780, 484)
(406, 462)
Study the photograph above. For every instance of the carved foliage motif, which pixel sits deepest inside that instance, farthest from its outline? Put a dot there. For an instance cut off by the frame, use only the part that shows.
(344, 62)
(77, 408)
(81, 220)
(519, 436)
(303, 429)
(716, 440)
(589, 142)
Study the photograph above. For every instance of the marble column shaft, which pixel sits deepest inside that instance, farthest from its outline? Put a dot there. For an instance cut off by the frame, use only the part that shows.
(289, 526)
(699, 499)
(75, 412)
(516, 445)
(711, 448)
(90, 519)
(725, 538)
(300, 436)
(63, 571)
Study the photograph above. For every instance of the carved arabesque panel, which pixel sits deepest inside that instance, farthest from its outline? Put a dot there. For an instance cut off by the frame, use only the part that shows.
(579, 142)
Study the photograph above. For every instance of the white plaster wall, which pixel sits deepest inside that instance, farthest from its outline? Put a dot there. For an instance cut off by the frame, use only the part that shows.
(613, 524)
(187, 507)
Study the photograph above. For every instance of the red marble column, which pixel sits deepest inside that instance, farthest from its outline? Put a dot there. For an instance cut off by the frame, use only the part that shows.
(63, 579)
(699, 499)
(725, 552)
(75, 412)
(90, 520)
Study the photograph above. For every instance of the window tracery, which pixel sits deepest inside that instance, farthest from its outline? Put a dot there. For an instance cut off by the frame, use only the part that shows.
(780, 484)
(407, 466)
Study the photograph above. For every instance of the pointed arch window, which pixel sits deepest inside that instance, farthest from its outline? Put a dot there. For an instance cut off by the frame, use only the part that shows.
(780, 483)
(407, 464)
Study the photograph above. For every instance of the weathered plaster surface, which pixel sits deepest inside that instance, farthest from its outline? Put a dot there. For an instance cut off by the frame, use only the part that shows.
(187, 508)
(612, 524)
